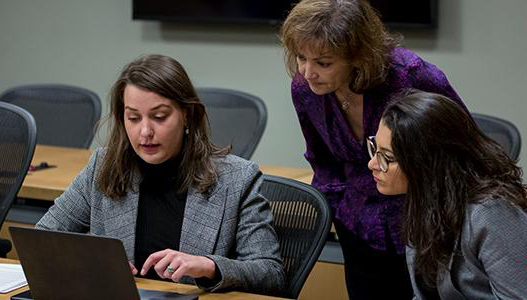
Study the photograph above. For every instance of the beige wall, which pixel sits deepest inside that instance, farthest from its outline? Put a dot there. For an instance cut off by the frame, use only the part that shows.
(480, 44)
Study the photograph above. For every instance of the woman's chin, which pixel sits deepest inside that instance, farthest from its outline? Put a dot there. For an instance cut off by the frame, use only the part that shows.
(152, 159)
(383, 189)
(389, 191)
(319, 89)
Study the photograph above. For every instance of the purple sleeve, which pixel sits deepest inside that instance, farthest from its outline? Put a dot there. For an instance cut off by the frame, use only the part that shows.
(314, 144)
(317, 153)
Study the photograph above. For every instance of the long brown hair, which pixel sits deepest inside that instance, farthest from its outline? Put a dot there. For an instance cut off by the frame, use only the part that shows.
(351, 29)
(449, 163)
(166, 77)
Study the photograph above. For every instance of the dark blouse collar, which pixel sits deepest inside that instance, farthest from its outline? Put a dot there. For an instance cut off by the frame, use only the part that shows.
(164, 172)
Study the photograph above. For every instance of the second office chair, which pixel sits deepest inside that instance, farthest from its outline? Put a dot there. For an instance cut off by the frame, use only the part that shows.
(65, 115)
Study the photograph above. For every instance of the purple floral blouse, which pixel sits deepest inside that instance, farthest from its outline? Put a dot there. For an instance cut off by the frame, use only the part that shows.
(339, 161)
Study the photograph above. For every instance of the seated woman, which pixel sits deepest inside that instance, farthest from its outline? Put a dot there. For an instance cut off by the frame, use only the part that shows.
(465, 213)
(182, 207)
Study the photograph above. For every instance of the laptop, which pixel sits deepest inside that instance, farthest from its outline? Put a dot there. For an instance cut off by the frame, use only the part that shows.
(63, 265)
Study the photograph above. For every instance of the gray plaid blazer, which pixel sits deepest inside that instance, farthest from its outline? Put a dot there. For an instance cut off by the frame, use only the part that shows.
(232, 225)
(490, 258)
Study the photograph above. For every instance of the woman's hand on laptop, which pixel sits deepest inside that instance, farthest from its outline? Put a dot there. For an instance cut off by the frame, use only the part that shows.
(174, 265)
(134, 270)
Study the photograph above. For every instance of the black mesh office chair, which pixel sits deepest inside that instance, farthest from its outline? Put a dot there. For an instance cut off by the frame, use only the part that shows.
(502, 131)
(65, 115)
(236, 119)
(302, 221)
(18, 134)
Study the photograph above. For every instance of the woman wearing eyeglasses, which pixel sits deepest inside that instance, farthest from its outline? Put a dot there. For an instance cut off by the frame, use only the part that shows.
(346, 67)
(465, 217)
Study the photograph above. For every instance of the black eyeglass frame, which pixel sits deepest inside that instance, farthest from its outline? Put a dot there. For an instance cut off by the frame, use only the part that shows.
(384, 162)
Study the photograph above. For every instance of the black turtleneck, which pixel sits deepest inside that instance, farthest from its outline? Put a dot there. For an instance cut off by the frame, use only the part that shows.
(160, 211)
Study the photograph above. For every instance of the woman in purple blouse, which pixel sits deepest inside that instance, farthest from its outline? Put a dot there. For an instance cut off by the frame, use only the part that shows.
(345, 69)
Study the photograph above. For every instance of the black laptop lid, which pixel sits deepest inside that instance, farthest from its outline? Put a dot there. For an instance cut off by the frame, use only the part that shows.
(61, 265)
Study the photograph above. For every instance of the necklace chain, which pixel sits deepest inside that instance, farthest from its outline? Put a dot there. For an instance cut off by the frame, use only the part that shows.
(345, 104)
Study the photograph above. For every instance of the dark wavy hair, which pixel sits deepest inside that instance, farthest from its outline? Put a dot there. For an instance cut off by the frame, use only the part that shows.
(166, 77)
(449, 162)
(351, 29)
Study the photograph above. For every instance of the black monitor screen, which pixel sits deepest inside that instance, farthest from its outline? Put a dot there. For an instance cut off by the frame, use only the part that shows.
(407, 12)
(257, 11)
(393, 12)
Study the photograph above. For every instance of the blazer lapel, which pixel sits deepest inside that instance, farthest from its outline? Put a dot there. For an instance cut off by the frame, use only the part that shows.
(445, 286)
(202, 220)
(121, 218)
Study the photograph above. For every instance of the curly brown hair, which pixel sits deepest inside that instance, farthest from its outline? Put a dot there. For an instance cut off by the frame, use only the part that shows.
(351, 29)
(164, 76)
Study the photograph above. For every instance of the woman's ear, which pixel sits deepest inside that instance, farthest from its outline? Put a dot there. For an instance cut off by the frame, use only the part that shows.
(185, 122)
(185, 118)
(355, 72)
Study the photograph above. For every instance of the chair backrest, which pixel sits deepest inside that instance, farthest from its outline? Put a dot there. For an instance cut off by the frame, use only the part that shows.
(502, 131)
(65, 115)
(18, 134)
(302, 221)
(236, 118)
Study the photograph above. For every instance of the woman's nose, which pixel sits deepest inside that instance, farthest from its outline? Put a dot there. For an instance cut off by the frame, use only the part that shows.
(373, 164)
(146, 130)
(310, 71)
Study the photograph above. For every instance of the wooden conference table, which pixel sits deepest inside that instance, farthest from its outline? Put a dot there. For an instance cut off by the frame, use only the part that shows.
(164, 286)
(50, 183)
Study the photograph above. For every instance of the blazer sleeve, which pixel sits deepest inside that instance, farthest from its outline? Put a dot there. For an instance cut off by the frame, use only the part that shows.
(498, 243)
(256, 265)
(71, 210)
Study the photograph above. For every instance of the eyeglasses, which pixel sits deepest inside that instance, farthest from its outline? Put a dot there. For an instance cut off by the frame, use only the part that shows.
(382, 159)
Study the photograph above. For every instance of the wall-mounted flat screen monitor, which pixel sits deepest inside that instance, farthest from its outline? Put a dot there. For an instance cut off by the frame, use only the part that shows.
(397, 13)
